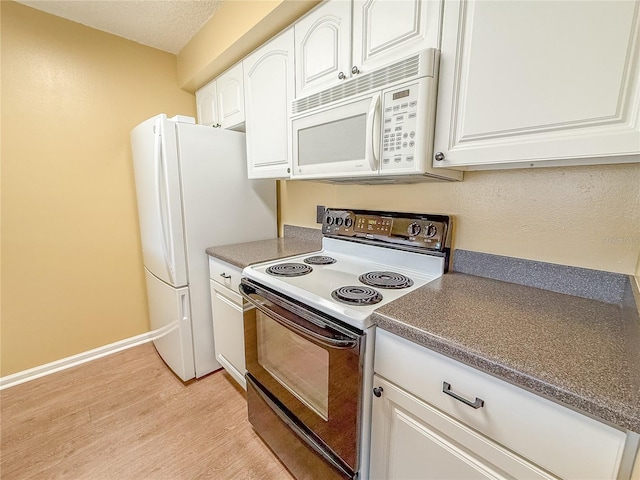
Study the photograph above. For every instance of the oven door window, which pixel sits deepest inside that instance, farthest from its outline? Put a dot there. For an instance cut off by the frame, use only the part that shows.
(297, 364)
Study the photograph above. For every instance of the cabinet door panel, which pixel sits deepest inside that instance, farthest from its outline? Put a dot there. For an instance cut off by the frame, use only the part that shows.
(530, 81)
(323, 47)
(269, 88)
(231, 97)
(228, 331)
(387, 30)
(206, 105)
(411, 439)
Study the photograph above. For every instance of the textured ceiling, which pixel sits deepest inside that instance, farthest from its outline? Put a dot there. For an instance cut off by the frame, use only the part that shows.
(164, 24)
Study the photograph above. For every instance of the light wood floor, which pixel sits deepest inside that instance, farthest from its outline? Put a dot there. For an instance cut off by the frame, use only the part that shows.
(126, 416)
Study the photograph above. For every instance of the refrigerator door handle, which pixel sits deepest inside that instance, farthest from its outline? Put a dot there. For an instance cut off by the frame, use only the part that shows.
(162, 201)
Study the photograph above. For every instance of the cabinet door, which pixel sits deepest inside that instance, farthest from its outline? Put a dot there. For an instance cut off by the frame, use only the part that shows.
(411, 439)
(532, 83)
(207, 109)
(228, 331)
(323, 47)
(385, 31)
(269, 88)
(231, 97)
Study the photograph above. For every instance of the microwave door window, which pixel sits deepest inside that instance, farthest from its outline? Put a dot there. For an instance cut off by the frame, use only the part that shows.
(332, 142)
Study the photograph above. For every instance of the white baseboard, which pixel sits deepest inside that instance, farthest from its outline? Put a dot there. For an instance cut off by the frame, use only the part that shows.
(72, 361)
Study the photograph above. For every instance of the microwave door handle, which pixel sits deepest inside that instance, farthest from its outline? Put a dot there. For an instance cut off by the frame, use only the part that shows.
(373, 127)
(331, 342)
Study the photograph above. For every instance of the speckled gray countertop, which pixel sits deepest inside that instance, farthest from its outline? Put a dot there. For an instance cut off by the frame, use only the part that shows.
(580, 352)
(244, 254)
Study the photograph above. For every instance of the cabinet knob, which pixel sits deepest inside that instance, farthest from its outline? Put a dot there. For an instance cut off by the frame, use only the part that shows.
(439, 156)
(216, 125)
(341, 76)
(355, 70)
(377, 391)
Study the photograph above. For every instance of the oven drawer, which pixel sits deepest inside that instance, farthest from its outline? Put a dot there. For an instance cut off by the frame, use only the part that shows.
(566, 443)
(225, 274)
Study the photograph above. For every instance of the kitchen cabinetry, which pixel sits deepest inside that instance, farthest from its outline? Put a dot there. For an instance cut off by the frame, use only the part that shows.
(538, 83)
(269, 88)
(220, 103)
(509, 433)
(228, 307)
(328, 51)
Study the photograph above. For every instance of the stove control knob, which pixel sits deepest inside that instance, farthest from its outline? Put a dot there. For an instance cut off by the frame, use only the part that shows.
(430, 231)
(329, 220)
(338, 221)
(348, 222)
(414, 229)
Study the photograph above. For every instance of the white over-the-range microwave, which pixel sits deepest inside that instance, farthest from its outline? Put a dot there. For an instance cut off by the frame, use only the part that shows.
(374, 128)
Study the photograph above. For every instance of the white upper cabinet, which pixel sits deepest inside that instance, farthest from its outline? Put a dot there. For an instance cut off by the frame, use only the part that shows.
(387, 30)
(220, 103)
(206, 105)
(230, 92)
(538, 83)
(323, 47)
(269, 88)
(328, 51)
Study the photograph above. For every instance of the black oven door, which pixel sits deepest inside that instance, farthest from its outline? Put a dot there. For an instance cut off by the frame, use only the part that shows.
(308, 369)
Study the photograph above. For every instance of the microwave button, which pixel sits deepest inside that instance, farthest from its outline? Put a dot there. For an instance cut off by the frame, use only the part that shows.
(387, 120)
(400, 118)
(404, 144)
(387, 130)
(412, 134)
(412, 115)
(386, 160)
(397, 159)
(396, 108)
(405, 135)
(409, 158)
(404, 105)
(412, 143)
(387, 110)
(398, 129)
(413, 104)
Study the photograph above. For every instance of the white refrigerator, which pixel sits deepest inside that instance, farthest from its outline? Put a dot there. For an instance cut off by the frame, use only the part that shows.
(193, 193)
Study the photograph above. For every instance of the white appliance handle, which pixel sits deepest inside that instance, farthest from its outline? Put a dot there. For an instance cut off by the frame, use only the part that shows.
(373, 128)
(161, 201)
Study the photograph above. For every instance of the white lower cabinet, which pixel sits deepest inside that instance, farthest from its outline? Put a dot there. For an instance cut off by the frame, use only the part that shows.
(424, 425)
(227, 308)
(411, 439)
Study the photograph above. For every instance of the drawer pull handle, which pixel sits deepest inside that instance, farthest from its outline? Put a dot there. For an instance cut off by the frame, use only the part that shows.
(225, 276)
(446, 388)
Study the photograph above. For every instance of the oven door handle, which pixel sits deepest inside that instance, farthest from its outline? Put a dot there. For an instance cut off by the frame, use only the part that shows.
(331, 342)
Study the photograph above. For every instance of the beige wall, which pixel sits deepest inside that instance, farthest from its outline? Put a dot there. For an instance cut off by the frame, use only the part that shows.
(72, 277)
(582, 216)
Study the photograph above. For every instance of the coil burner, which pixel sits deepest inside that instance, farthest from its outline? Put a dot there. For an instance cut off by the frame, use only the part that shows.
(289, 269)
(320, 260)
(355, 295)
(385, 280)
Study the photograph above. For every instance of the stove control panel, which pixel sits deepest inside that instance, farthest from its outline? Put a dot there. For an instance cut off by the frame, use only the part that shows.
(425, 231)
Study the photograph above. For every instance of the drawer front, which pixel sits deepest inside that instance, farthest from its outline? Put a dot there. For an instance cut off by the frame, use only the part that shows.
(225, 273)
(564, 442)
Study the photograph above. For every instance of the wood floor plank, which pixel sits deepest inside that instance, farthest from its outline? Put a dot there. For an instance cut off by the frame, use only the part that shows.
(126, 416)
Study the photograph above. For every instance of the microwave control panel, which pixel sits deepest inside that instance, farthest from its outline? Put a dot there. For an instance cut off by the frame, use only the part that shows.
(400, 135)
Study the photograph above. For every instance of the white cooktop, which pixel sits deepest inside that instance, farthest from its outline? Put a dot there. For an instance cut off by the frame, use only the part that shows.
(353, 259)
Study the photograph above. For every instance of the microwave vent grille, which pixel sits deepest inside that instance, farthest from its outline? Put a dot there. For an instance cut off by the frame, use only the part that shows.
(401, 70)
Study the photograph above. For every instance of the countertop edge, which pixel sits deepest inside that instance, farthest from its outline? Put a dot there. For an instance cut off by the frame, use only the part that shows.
(556, 394)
